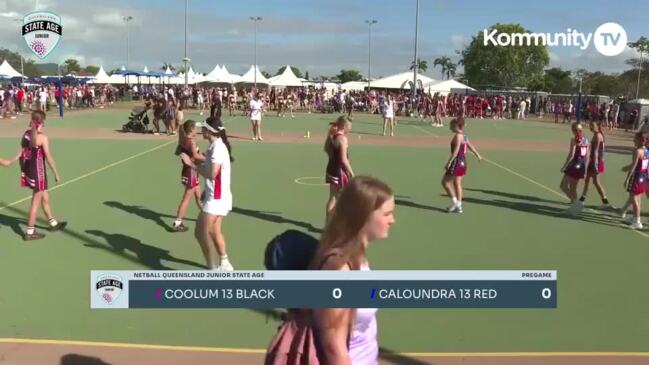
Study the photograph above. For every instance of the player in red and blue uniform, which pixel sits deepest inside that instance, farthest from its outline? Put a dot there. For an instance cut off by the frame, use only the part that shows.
(339, 169)
(188, 175)
(596, 165)
(637, 180)
(574, 169)
(456, 166)
(35, 153)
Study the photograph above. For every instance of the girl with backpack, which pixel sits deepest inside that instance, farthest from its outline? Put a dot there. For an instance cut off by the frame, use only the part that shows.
(345, 336)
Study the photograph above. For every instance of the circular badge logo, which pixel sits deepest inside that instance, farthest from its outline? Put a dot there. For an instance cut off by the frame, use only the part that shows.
(610, 39)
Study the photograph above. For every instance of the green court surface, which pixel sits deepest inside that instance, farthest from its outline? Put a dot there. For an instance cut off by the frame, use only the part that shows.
(123, 201)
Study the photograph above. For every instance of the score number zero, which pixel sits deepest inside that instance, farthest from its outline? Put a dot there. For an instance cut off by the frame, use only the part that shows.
(337, 293)
(546, 293)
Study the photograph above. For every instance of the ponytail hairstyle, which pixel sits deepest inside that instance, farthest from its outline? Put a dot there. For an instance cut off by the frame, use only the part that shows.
(217, 129)
(183, 131)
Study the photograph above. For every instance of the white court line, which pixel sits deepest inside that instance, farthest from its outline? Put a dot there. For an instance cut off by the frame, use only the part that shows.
(102, 169)
(561, 195)
(94, 172)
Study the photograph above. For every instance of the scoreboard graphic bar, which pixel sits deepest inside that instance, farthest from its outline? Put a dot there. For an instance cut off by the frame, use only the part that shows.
(323, 289)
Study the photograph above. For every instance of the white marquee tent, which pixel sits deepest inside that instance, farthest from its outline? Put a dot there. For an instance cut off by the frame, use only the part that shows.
(445, 86)
(400, 81)
(249, 77)
(7, 70)
(285, 79)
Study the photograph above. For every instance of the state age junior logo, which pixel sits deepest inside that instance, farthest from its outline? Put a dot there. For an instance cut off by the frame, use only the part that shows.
(42, 31)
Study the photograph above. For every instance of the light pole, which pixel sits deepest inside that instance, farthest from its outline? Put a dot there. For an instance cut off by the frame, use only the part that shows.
(22, 69)
(127, 19)
(185, 59)
(637, 89)
(255, 19)
(414, 81)
(578, 114)
(369, 53)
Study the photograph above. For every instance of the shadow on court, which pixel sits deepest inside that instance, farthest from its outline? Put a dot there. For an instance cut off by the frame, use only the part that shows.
(411, 204)
(147, 214)
(126, 247)
(515, 196)
(148, 255)
(275, 217)
(75, 359)
(14, 223)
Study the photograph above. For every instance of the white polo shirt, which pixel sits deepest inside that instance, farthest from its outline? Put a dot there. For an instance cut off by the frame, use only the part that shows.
(255, 109)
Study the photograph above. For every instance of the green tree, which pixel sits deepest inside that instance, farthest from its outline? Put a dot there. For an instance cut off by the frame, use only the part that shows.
(70, 66)
(503, 66)
(642, 46)
(442, 62)
(306, 75)
(295, 70)
(92, 69)
(422, 65)
(168, 65)
(13, 58)
(557, 81)
(349, 75)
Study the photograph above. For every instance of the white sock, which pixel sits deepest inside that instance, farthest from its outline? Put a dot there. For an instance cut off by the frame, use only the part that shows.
(53, 222)
(178, 222)
(224, 260)
(455, 201)
(30, 230)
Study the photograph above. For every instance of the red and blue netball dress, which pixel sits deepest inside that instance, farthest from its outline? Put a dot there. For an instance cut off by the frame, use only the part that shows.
(577, 167)
(458, 165)
(637, 183)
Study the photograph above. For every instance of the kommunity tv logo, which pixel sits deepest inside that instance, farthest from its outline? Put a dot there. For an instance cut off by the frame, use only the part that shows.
(609, 39)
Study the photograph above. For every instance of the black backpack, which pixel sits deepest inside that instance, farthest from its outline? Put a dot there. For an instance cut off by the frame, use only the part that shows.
(291, 250)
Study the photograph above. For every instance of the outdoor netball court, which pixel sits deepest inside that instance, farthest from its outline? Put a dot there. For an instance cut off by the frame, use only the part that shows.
(120, 191)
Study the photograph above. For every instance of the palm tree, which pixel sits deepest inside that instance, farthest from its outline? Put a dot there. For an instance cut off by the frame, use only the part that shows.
(166, 65)
(422, 65)
(443, 62)
(450, 70)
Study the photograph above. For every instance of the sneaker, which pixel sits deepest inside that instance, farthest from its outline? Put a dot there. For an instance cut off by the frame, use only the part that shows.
(577, 207)
(225, 267)
(454, 208)
(180, 228)
(59, 227)
(626, 218)
(156, 133)
(32, 237)
(636, 225)
(254, 138)
(259, 138)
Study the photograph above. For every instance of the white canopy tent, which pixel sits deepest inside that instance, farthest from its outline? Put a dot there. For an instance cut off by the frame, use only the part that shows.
(220, 75)
(101, 77)
(7, 70)
(285, 79)
(400, 81)
(354, 86)
(445, 86)
(249, 77)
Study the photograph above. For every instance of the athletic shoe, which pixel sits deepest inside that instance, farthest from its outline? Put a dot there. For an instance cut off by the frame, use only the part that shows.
(454, 208)
(459, 209)
(577, 207)
(636, 225)
(625, 217)
(180, 228)
(254, 138)
(225, 267)
(32, 237)
(59, 227)
(259, 138)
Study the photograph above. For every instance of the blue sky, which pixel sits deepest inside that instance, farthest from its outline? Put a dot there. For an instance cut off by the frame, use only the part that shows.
(321, 37)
